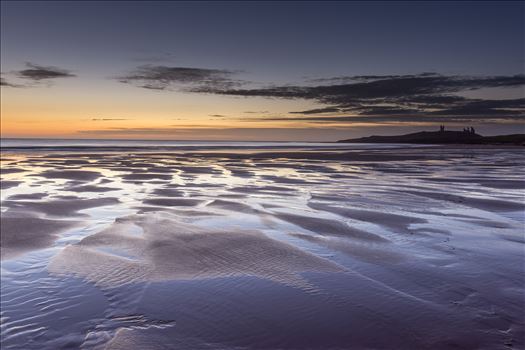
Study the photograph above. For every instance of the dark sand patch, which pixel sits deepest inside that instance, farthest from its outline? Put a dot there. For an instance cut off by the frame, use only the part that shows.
(168, 192)
(42, 182)
(485, 182)
(78, 175)
(91, 188)
(215, 317)
(23, 234)
(173, 250)
(173, 202)
(489, 223)
(445, 214)
(203, 185)
(233, 196)
(64, 196)
(199, 170)
(276, 165)
(270, 206)
(5, 184)
(73, 183)
(162, 170)
(76, 162)
(147, 209)
(503, 184)
(5, 170)
(127, 169)
(61, 166)
(393, 221)
(232, 206)
(330, 197)
(146, 176)
(27, 196)
(328, 227)
(277, 190)
(517, 238)
(430, 230)
(158, 182)
(287, 180)
(489, 204)
(344, 176)
(68, 206)
(241, 173)
(320, 169)
(355, 156)
(192, 212)
(179, 211)
(399, 170)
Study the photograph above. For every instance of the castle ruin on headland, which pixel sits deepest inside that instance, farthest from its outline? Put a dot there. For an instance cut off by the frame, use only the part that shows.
(467, 130)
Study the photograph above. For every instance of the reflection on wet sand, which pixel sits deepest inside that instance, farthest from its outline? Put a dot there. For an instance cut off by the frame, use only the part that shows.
(408, 247)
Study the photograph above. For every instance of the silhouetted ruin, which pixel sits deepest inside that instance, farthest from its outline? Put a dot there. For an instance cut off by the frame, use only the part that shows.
(466, 136)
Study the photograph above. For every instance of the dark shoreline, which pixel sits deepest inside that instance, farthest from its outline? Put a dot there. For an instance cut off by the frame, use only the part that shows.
(442, 138)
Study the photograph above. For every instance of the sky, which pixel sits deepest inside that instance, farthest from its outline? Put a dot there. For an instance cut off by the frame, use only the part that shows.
(311, 71)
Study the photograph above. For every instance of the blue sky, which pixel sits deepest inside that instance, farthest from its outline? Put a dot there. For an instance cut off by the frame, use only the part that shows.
(258, 44)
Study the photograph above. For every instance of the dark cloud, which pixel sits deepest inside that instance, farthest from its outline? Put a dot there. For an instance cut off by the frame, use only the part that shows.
(381, 98)
(385, 110)
(218, 116)
(399, 97)
(5, 83)
(514, 107)
(355, 78)
(152, 87)
(399, 87)
(37, 73)
(164, 77)
(256, 112)
(397, 118)
(457, 107)
(318, 110)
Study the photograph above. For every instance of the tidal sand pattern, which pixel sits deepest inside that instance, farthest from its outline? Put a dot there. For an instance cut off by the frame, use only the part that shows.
(341, 247)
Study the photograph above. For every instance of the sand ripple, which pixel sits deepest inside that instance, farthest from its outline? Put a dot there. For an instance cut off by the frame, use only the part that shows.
(172, 250)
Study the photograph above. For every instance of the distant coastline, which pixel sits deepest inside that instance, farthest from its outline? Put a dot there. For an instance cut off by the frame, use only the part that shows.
(443, 137)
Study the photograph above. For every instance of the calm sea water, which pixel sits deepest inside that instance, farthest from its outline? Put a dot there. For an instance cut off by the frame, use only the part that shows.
(82, 144)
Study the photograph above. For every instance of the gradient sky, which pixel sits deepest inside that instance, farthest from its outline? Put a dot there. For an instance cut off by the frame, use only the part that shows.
(315, 71)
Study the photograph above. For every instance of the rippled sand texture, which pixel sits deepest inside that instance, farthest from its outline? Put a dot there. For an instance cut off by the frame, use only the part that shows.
(402, 248)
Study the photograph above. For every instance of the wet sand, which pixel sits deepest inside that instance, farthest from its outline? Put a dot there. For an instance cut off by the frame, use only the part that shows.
(400, 248)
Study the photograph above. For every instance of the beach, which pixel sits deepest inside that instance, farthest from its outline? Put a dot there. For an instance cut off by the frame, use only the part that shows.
(262, 246)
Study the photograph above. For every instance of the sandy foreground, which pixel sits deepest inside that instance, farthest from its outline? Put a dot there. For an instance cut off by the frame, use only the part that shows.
(401, 248)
